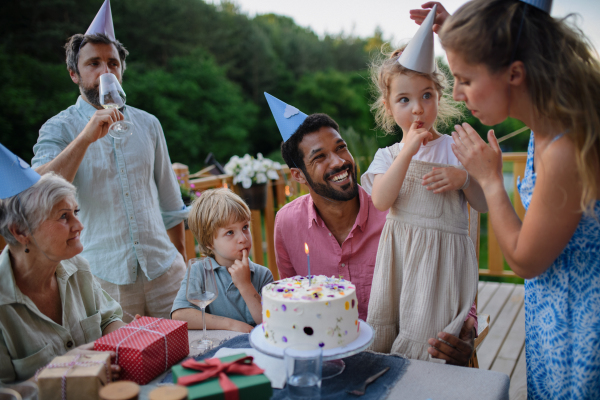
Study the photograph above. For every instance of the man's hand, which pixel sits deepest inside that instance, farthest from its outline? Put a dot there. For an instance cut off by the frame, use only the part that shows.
(457, 350)
(444, 179)
(88, 348)
(98, 126)
(441, 15)
(240, 271)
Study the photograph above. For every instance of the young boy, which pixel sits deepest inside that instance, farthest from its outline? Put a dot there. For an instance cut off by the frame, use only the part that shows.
(220, 220)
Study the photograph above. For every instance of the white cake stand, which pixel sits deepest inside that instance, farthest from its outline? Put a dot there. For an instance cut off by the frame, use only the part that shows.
(333, 364)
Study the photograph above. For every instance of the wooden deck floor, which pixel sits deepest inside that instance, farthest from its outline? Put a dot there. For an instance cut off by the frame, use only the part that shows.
(503, 349)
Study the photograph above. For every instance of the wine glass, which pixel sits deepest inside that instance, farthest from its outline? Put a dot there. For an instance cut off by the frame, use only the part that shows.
(201, 289)
(113, 96)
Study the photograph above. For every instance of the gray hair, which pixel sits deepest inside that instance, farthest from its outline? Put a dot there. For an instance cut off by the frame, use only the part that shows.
(76, 42)
(35, 204)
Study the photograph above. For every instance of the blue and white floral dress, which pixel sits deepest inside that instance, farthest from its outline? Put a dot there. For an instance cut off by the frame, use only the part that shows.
(562, 312)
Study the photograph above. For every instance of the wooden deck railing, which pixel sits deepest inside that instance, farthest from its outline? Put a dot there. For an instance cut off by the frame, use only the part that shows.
(284, 187)
(281, 189)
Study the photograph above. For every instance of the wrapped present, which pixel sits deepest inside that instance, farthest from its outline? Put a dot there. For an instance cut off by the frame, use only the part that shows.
(74, 377)
(146, 347)
(233, 377)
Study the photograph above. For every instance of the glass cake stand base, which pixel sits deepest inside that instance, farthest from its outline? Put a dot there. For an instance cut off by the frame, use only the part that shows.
(333, 365)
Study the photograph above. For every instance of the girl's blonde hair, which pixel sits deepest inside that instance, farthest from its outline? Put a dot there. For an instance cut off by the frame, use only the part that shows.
(386, 67)
(563, 71)
(215, 209)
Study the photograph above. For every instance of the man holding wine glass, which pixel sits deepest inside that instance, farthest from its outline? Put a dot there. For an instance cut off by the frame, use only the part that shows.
(117, 157)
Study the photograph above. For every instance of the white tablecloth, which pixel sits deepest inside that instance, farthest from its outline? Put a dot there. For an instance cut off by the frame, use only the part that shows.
(422, 379)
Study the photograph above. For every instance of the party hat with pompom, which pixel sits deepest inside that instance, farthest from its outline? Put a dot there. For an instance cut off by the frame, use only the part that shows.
(288, 118)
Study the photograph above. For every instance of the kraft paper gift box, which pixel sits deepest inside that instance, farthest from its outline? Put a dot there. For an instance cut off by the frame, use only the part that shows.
(85, 375)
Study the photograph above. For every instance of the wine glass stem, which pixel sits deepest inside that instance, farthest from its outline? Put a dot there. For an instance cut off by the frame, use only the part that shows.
(203, 324)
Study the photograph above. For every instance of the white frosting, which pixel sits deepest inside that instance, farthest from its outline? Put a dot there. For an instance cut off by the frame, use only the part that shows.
(324, 313)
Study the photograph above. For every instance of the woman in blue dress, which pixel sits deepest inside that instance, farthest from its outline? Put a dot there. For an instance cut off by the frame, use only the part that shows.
(527, 65)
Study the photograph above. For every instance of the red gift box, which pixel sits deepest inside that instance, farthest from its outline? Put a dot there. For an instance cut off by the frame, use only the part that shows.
(146, 347)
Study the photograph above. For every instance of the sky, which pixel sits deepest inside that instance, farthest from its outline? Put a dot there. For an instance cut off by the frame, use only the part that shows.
(361, 17)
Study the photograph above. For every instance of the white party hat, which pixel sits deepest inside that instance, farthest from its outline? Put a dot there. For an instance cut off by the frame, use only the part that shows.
(544, 5)
(103, 22)
(418, 54)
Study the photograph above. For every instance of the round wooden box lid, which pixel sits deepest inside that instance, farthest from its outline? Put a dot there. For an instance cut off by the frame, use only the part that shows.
(123, 390)
(170, 392)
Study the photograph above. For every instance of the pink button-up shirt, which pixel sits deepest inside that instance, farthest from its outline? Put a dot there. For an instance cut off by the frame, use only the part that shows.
(299, 222)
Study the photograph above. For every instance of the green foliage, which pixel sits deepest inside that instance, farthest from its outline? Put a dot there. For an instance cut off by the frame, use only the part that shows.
(31, 91)
(200, 68)
(200, 110)
(362, 148)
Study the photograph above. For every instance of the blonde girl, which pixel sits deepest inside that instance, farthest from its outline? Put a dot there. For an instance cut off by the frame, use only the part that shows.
(543, 71)
(425, 277)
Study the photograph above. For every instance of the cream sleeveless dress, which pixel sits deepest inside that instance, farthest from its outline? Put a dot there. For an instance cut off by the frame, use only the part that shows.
(425, 277)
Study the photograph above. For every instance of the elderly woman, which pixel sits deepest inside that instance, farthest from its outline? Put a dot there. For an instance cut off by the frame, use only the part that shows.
(49, 301)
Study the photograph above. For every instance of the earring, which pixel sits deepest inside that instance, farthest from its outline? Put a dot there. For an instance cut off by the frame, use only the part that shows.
(26, 249)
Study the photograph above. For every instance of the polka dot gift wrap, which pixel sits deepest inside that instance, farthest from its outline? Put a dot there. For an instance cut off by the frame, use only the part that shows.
(146, 347)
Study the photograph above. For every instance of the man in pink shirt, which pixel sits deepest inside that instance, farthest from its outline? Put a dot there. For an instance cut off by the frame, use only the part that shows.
(337, 218)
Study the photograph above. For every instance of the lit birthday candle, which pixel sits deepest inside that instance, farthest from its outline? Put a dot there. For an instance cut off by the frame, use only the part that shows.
(307, 262)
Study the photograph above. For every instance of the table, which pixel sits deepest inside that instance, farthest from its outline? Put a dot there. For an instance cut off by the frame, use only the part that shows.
(422, 379)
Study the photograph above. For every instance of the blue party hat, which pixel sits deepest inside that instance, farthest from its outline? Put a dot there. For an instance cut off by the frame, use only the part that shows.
(288, 118)
(103, 22)
(544, 5)
(15, 174)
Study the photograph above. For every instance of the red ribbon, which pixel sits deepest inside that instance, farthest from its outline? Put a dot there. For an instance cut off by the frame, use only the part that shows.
(214, 367)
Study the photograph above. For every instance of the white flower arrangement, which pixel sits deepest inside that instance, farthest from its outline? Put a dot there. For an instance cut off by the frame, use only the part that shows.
(248, 170)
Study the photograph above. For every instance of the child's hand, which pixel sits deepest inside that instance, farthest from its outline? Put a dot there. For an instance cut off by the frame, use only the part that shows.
(441, 15)
(240, 271)
(416, 137)
(444, 179)
(242, 327)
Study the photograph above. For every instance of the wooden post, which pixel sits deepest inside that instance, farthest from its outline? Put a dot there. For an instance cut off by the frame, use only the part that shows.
(2, 243)
(518, 170)
(190, 245)
(256, 231)
(270, 231)
(280, 190)
(183, 173)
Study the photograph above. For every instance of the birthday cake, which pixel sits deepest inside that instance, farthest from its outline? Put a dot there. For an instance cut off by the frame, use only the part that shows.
(324, 313)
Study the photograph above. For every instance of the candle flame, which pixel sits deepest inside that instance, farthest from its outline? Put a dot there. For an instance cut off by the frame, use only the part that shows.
(305, 248)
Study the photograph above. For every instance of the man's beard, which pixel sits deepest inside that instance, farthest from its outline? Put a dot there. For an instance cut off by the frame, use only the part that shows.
(92, 94)
(325, 189)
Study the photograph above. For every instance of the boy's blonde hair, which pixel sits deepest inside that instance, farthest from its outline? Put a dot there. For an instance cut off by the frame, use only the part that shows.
(215, 209)
(385, 68)
(563, 70)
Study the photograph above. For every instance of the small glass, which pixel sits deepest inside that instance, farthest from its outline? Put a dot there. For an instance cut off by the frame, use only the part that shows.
(201, 290)
(113, 96)
(303, 365)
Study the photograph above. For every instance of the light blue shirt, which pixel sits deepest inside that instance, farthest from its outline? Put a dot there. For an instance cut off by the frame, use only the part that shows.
(229, 303)
(127, 192)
